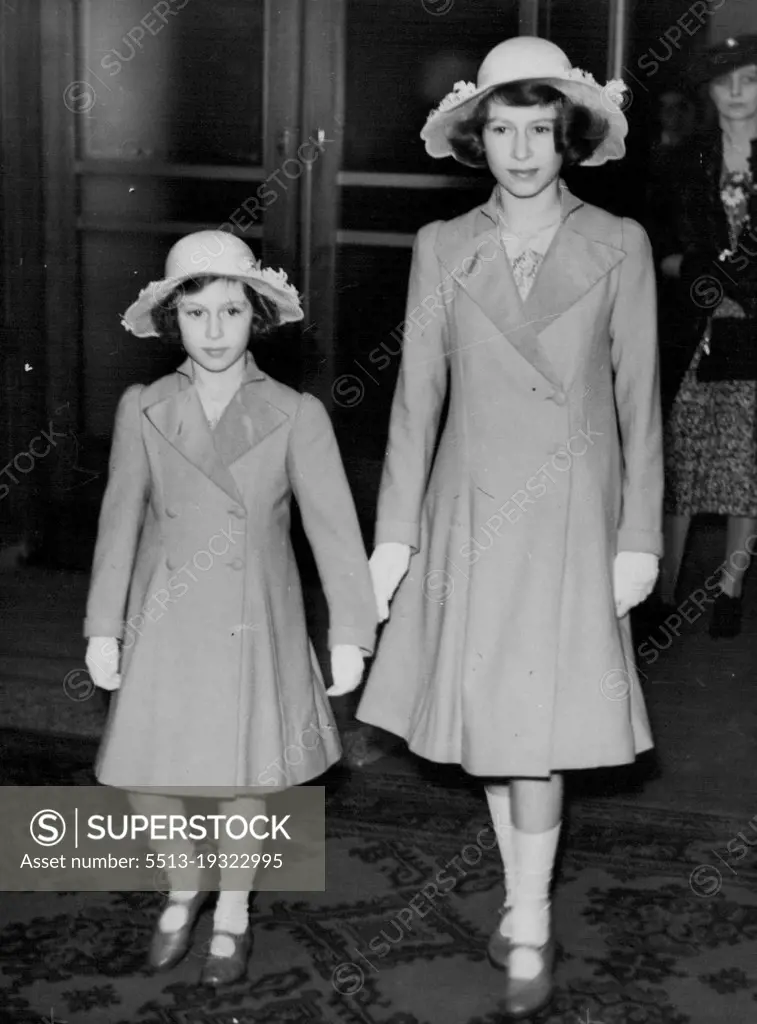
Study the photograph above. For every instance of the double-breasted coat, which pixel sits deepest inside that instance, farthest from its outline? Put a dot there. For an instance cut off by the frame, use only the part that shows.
(194, 571)
(503, 651)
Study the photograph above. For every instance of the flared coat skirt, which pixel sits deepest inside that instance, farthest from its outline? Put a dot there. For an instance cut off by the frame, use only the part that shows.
(503, 651)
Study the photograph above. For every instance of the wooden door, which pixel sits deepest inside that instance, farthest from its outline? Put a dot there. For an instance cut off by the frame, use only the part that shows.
(291, 122)
(159, 119)
(393, 61)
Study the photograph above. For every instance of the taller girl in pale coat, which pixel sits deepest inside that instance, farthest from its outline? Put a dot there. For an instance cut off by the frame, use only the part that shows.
(509, 647)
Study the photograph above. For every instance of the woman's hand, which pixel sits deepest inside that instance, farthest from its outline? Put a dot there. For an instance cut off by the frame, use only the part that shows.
(634, 577)
(102, 660)
(671, 265)
(346, 669)
(728, 308)
(388, 564)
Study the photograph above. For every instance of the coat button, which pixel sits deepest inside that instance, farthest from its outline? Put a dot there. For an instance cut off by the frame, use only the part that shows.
(172, 513)
(238, 512)
(236, 563)
(559, 398)
(170, 564)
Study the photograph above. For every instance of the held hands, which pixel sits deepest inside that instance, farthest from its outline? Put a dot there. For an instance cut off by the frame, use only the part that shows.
(102, 659)
(346, 669)
(634, 576)
(388, 564)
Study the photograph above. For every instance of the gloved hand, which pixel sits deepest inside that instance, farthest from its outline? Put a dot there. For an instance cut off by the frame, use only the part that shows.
(634, 576)
(346, 669)
(388, 564)
(102, 660)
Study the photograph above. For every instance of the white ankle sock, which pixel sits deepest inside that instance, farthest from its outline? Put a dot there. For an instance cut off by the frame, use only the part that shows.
(176, 913)
(499, 808)
(231, 915)
(530, 916)
(232, 910)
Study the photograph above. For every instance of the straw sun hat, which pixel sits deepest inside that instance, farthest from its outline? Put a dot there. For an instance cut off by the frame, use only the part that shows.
(526, 58)
(223, 255)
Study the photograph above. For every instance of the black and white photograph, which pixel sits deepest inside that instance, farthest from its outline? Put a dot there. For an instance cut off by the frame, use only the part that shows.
(378, 626)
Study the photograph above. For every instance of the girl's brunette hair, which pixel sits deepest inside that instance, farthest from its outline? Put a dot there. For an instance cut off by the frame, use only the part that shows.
(165, 316)
(578, 130)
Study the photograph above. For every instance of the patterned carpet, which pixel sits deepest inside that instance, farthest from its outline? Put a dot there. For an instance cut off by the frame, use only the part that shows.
(643, 940)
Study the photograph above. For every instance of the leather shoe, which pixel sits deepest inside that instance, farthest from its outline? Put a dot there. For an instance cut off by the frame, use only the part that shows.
(499, 946)
(525, 996)
(224, 970)
(168, 948)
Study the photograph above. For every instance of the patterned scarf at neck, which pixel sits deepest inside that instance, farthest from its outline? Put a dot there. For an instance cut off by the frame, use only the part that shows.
(524, 259)
(525, 267)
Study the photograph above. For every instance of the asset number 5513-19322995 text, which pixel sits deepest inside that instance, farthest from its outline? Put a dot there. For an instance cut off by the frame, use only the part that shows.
(171, 861)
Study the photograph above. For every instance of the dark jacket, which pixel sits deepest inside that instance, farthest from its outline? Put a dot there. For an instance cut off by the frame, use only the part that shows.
(667, 169)
(702, 227)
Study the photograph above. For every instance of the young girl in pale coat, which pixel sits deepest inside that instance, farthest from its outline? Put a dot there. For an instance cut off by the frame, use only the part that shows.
(526, 536)
(194, 576)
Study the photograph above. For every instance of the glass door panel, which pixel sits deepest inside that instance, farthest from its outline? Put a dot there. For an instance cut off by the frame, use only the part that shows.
(400, 60)
(180, 82)
(581, 28)
(170, 138)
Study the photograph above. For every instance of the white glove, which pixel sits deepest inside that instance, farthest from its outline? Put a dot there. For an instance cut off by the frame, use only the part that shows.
(634, 577)
(388, 564)
(346, 669)
(102, 660)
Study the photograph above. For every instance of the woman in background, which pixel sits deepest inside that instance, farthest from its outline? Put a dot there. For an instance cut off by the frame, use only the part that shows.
(711, 436)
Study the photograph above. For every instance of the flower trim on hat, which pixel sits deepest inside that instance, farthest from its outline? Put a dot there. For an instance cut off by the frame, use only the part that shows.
(617, 92)
(276, 278)
(614, 90)
(460, 92)
(579, 75)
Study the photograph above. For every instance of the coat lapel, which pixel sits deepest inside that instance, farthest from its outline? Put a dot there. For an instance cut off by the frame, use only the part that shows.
(573, 264)
(246, 421)
(479, 265)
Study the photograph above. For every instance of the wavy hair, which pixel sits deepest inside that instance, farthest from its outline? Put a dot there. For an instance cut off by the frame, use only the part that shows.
(579, 131)
(165, 316)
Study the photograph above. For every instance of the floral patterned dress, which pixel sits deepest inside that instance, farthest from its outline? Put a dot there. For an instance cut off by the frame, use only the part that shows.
(711, 436)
